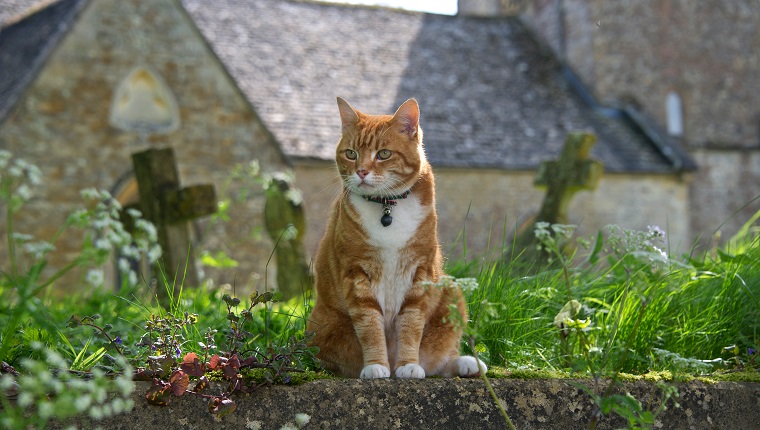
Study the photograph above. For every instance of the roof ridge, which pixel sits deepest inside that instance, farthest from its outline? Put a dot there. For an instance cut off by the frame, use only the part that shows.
(30, 10)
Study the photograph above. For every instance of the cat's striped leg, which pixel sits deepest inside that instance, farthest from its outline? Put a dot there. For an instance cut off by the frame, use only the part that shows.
(367, 318)
(334, 334)
(409, 326)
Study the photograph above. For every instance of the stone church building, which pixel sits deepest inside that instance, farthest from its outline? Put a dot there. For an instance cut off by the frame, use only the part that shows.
(86, 83)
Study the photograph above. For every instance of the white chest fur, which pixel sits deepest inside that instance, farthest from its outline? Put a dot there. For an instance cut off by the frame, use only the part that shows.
(396, 278)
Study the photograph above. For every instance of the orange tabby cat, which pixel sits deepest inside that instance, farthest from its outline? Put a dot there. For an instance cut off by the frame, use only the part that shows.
(376, 309)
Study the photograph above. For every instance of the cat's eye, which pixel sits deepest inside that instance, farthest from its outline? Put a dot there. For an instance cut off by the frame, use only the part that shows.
(383, 154)
(351, 154)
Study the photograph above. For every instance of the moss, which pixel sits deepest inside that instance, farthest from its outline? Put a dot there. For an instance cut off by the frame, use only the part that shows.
(496, 372)
(296, 378)
(501, 373)
(743, 376)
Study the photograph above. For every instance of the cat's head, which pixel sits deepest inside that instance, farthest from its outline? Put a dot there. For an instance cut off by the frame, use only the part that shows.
(380, 155)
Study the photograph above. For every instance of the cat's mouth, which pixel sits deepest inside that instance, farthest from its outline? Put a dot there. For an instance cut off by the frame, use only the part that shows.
(363, 188)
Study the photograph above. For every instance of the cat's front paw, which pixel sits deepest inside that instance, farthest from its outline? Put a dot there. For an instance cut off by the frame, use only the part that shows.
(468, 366)
(411, 370)
(375, 371)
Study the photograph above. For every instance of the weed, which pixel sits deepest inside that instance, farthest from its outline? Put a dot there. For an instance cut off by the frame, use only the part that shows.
(171, 377)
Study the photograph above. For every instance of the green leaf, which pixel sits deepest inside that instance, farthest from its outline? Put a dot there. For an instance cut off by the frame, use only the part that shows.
(598, 245)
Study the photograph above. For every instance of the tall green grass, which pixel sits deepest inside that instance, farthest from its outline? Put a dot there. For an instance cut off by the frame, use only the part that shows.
(646, 311)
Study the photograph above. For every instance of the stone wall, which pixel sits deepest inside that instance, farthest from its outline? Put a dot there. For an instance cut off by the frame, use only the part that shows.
(726, 204)
(62, 124)
(439, 404)
(488, 200)
(638, 52)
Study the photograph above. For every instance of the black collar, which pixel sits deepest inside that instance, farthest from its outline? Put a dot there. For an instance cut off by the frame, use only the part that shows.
(388, 202)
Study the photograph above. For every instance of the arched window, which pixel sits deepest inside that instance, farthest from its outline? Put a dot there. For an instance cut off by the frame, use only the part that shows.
(674, 112)
(143, 103)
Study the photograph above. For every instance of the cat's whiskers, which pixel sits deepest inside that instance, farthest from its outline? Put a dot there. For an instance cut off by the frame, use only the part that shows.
(334, 186)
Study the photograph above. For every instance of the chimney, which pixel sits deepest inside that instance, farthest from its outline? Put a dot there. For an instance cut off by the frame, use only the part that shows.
(488, 8)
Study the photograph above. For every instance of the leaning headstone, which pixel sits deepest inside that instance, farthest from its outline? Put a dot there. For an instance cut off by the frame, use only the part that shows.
(170, 208)
(574, 171)
(286, 224)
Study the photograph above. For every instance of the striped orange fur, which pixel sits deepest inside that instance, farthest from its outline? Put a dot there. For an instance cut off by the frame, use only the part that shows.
(376, 309)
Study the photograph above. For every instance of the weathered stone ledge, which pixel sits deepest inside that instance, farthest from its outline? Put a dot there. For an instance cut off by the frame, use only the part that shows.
(444, 404)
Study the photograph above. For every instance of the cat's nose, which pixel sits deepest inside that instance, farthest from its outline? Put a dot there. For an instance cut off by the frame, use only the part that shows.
(362, 173)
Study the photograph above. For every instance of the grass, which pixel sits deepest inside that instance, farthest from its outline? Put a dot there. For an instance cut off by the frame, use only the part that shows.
(644, 312)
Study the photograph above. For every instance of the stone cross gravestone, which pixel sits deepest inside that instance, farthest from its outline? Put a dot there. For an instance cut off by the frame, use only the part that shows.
(169, 208)
(574, 171)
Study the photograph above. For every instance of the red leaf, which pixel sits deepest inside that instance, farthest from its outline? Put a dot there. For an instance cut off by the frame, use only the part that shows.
(234, 362)
(249, 361)
(229, 371)
(179, 382)
(221, 407)
(143, 374)
(215, 362)
(191, 365)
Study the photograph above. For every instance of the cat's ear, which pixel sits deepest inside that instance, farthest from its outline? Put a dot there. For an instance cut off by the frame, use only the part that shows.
(348, 116)
(407, 117)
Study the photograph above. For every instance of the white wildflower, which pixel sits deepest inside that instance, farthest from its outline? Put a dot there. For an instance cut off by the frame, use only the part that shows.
(132, 278)
(124, 265)
(94, 277)
(55, 360)
(38, 249)
(290, 233)
(295, 196)
(15, 171)
(34, 175)
(89, 194)
(656, 231)
(45, 410)
(24, 192)
(21, 237)
(6, 381)
(134, 213)
(467, 284)
(102, 244)
(25, 399)
(82, 403)
(148, 228)
(96, 413)
(5, 156)
(154, 253)
(129, 252)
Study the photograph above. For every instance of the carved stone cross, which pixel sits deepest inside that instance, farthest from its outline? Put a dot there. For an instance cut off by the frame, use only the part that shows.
(573, 172)
(562, 178)
(169, 208)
